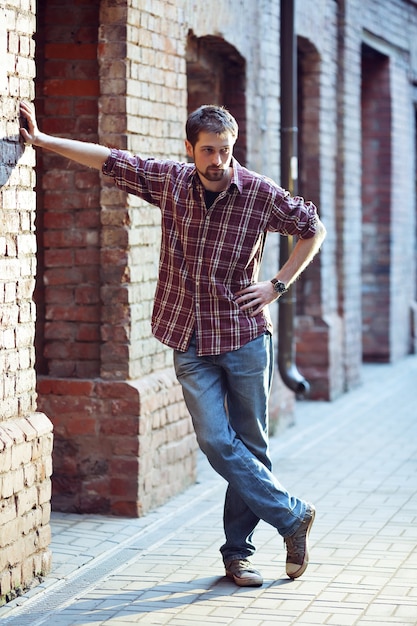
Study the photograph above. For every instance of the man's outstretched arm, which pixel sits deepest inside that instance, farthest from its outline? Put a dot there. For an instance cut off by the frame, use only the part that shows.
(90, 154)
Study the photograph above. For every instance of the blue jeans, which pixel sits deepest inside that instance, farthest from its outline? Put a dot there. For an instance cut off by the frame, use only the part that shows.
(227, 397)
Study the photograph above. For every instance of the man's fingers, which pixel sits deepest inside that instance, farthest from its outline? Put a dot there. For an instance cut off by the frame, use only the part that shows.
(28, 124)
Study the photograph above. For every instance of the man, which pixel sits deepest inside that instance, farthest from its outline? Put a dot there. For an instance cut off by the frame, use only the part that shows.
(211, 308)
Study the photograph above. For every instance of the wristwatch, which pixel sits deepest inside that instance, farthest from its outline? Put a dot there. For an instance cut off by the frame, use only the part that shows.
(279, 286)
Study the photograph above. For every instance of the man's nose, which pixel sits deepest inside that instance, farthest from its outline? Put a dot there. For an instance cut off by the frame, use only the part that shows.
(216, 160)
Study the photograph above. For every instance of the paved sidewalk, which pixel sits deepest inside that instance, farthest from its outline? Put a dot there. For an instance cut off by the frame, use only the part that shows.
(355, 458)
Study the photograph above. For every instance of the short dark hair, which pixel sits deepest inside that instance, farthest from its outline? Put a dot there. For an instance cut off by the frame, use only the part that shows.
(210, 118)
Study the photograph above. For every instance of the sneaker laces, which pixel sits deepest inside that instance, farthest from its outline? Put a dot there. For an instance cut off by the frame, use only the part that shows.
(241, 564)
(296, 545)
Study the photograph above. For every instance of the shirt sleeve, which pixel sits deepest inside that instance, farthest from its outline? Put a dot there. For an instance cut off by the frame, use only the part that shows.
(146, 178)
(292, 215)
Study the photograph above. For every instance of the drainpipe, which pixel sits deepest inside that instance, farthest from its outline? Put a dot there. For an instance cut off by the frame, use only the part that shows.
(289, 175)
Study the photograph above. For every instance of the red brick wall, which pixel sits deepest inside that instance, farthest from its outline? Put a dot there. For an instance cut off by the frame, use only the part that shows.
(68, 281)
(120, 448)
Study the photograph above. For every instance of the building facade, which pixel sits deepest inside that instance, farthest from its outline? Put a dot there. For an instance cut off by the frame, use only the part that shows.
(79, 258)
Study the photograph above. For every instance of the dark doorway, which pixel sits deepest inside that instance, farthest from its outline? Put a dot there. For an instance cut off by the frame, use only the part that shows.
(216, 75)
(376, 200)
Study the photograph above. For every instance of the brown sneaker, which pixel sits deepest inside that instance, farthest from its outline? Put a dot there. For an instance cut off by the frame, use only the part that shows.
(243, 573)
(297, 545)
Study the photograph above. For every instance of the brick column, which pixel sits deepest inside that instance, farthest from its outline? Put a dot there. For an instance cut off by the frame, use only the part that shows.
(25, 434)
(124, 440)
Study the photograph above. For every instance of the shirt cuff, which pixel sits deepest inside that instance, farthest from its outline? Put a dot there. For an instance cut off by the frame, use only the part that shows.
(108, 165)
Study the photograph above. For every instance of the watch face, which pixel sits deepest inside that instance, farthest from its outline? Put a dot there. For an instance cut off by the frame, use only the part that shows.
(279, 286)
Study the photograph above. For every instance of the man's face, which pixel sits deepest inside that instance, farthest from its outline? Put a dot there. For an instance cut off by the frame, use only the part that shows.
(212, 155)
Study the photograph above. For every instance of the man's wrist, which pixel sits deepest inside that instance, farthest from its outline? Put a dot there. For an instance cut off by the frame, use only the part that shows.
(40, 140)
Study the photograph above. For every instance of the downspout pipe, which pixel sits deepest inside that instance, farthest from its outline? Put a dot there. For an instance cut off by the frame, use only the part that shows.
(289, 179)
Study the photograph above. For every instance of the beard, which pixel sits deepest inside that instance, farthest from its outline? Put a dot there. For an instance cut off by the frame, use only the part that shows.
(214, 174)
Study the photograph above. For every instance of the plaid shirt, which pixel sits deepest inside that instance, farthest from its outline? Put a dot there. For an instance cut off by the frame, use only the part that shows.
(207, 255)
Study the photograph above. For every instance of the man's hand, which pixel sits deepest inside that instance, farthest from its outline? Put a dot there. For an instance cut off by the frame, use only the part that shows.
(30, 131)
(256, 296)
(89, 154)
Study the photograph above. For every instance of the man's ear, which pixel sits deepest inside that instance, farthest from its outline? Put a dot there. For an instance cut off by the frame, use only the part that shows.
(189, 149)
